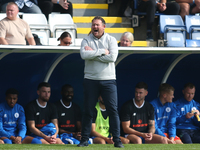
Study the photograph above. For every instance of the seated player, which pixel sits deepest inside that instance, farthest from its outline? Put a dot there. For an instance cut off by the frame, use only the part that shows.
(69, 116)
(137, 118)
(40, 113)
(12, 121)
(165, 114)
(187, 125)
(100, 126)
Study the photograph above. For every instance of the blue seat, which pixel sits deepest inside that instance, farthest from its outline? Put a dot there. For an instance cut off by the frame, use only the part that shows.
(192, 43)
(192, 23)
(174, 30)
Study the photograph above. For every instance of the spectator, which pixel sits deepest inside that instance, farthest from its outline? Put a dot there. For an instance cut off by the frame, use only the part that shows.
(65, 39)
(186, 128)
(126, 39)
(100, 78)
(25, 6)
(137, 118)
(150, 7)
(62, 6)
(69, 116)
(40, 113)
(188, 7)
(165, 114)
(12, 121)
(14, 30)
(100, 125)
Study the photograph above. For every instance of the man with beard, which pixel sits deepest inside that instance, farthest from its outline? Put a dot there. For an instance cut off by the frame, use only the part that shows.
(40, 114)
(100, 51)
(137, 117)
(69, 116)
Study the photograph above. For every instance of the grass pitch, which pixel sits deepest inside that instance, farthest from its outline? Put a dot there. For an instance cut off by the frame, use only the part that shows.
(100, 147)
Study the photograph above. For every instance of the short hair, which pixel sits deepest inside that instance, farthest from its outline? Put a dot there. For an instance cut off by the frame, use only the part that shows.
(165, 88)
(99, 18)
(43, 84)
(189, 85)
(141, 85)
(64, 35)
(12, 3)
(11, 91)
(128, 35)
(66, 86)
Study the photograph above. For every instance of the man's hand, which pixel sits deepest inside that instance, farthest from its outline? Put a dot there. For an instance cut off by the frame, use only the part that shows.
(18, 140)
(189, 115)
(87, 48)
(109, 140)
(162, 6)
(77, 135)
(171, 141)
(51, 139)
(147, 136)
(64, 4)
(106, 52)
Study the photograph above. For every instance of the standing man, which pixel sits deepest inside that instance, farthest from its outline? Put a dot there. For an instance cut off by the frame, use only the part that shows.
(69, 115)
(187, 109)
(137, 117)
(165, 114)
(14, 30)
(100, 50)
(40, 113)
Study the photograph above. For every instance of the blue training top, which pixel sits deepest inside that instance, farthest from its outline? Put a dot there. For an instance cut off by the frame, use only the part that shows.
(12, 121)
(165, 118)
(183, 107)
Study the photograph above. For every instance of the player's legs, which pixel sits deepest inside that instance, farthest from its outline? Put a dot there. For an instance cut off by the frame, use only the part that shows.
(184, 9)
(44, 141)
(32, 140)
(124, 140)
(109, 95)
(59, 141)
(98, 140)
(157, 139)
(184, 135)
(134, 139)
(6, 140)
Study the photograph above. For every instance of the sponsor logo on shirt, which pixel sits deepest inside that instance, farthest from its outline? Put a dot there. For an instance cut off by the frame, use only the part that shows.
(68, 125)
(168, 109)
(157, 110)
(63, 114)
(182, 109)
(16, 115)
(159, 118)
(194, 108)
(10, 122)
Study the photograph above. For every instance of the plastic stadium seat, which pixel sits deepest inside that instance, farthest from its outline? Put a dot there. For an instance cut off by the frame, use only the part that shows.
(62, 22)
(38, 25)
(192, 23)
(192, 43)
(174, 30)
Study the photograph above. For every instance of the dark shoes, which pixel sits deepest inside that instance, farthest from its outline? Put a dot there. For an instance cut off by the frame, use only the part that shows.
(149, 36)
(119, 144)
(83, 144)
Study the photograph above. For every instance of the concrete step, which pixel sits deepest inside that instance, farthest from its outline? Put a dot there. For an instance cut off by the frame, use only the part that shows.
(116, 32)
(85, 22)
(90, 9)
(89, 1)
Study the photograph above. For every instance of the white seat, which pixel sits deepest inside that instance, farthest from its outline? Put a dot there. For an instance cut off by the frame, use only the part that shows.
(62, 22)
(53, 41)
(38, 25)
(2, 16)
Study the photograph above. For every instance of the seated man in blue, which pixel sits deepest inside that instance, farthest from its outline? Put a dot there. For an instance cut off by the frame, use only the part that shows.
(12, 121)
(69, 116)
(187, 109)
(165, 114)
(100, 126)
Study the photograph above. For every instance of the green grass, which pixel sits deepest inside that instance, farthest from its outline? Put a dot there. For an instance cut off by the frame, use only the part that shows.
(101, 147)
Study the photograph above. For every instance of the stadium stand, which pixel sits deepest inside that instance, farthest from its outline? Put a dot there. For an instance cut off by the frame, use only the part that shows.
(62, 22)
(38, 25)
(174, 30)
